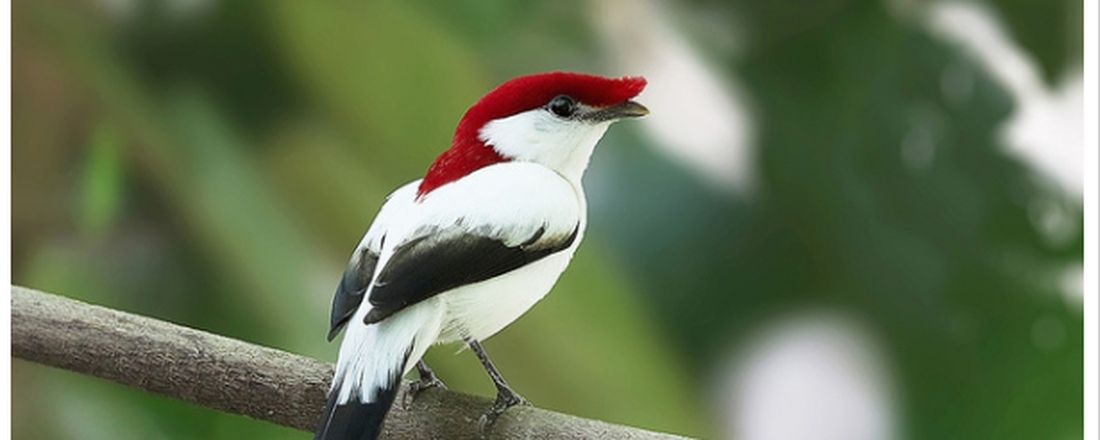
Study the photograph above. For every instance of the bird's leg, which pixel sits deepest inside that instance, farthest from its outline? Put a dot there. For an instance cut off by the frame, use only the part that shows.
(428, 379)
(506, 397)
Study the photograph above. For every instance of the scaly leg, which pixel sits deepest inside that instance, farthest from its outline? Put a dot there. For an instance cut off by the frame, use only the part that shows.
(506, 397)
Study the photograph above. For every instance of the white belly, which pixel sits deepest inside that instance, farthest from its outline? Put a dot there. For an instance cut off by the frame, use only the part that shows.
(480, 310)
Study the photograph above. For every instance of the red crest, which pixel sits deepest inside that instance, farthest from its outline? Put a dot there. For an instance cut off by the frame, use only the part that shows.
(468, 153)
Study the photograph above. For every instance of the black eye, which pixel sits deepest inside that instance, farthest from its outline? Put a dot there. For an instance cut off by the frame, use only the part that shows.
(563, 106)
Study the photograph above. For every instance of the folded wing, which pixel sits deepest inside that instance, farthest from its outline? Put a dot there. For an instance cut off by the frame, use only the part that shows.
(443, 259)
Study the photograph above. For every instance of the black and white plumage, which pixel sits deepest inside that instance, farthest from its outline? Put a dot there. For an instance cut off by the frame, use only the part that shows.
(460, 260)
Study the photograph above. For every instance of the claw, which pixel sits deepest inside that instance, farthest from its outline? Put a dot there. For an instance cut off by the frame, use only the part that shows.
(428, 380)
(506, 398)
(419, 386)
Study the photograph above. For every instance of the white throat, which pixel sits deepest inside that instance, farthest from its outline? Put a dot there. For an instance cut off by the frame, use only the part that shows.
(564, 146)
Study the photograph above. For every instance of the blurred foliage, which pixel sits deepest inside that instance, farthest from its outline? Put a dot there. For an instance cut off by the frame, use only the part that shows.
(940, 255)
(213, 163)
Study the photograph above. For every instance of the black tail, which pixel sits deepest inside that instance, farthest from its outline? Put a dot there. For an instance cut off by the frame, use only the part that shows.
(354, 420)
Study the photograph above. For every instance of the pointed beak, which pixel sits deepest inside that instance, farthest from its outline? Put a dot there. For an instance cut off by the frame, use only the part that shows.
(628, 109)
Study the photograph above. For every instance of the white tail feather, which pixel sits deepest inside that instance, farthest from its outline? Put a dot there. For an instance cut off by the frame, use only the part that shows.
(370, 355)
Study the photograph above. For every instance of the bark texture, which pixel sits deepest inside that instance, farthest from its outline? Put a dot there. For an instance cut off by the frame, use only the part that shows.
(242, 378)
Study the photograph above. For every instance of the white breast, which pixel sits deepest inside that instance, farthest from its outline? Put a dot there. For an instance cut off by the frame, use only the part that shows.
(481, 310)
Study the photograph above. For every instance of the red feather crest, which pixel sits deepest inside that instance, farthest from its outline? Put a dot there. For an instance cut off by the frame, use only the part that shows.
(468, 153)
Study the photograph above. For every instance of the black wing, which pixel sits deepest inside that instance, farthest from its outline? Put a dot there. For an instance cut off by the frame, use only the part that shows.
(435, 263)
(352, 287)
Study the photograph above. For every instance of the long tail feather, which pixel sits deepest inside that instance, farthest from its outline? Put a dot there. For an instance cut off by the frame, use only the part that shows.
(373, 358)
(354, 419)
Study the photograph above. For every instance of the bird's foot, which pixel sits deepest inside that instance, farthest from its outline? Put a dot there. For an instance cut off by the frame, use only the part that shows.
(428, 380)
(506, 398)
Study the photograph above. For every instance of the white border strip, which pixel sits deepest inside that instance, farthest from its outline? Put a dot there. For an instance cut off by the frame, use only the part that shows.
(1090, 264)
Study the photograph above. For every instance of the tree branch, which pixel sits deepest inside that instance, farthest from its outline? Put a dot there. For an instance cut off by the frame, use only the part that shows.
(241, 378)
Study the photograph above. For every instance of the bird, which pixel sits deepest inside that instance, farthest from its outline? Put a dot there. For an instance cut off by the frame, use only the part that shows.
(456, 256)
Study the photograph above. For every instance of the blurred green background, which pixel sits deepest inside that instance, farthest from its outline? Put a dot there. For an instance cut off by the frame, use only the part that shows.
(856, 165)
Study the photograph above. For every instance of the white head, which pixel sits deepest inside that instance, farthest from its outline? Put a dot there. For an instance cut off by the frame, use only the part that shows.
(560, 135)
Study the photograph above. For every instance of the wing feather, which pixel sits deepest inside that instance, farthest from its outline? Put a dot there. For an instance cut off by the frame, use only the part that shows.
(352, 288)
(360, 270)
(432, 264)
(491, 222)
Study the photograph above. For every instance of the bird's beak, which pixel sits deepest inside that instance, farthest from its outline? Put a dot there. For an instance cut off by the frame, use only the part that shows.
(627, 109)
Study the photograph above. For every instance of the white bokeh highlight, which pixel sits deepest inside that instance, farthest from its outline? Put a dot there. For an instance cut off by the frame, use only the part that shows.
(698, 118)
(1047, 127)
(811, 376)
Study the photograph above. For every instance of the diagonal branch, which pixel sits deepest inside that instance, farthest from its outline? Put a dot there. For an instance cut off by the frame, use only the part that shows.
(241, 378)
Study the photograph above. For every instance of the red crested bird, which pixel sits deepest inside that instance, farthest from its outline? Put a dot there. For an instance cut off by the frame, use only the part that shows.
(463, 252)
